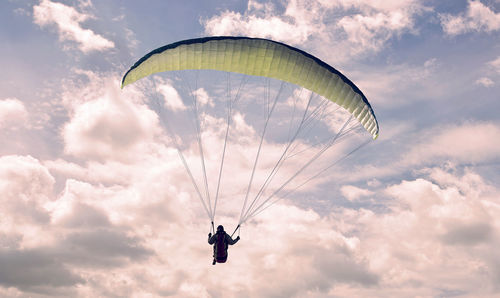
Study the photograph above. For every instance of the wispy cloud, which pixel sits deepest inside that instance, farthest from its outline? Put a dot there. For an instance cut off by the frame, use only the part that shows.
(485, 81)
(495, 64)
(466, 143)
(385, 85)
(463, 144)
(68, 22)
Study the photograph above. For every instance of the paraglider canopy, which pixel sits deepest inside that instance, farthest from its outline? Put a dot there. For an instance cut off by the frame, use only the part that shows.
(258, 57)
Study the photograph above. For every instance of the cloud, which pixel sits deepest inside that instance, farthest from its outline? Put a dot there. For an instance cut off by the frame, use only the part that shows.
(35, 271)
(48, 242)
(484, 81)
(304, 255)
(261, 21)
(384, 86)
(96, 230)
(68, 21)
(478, 17)
(93, 171)
(116, 215)
(26, 187)
(103, 248)
(107, 126)
(438, 231)
(495, 64)
(348, 28)
(491, 72)
(471, 142)
(147, 237)
(462, 144)
(442, 222)
(128, 212)
(371, 32)
(353, 193)
(203, 98)
(468, 234)
(173, 101)
(13, 113)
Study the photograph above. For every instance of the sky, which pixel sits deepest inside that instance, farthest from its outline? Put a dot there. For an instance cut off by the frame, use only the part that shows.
(95, 201)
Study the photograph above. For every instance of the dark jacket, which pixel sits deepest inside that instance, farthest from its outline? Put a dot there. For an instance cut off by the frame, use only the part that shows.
(227, 240)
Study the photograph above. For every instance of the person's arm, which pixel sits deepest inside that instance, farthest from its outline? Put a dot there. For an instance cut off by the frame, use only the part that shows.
(230, 240)
(211, 238)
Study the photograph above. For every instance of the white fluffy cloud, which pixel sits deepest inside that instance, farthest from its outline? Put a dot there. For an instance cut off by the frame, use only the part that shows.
(112, 212)
(24, 181)
(456, 212)
(371, 32)
(68, 21)
(13, 113)
(437, 234)
(139, 232)
(147, 237)
(143, 232)
(26, 187)
(108, 125)
(478, 17)
(41, 249)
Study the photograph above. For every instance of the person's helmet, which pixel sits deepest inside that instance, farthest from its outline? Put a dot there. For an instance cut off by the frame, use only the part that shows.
(220, 228)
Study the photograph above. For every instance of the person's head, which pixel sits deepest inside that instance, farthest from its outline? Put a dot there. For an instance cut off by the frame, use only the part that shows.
(220, 228)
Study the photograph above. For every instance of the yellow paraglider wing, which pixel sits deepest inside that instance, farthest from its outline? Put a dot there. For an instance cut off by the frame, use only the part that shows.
(259, 57)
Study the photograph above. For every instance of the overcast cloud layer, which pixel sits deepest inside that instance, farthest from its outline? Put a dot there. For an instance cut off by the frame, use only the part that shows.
(95, 201)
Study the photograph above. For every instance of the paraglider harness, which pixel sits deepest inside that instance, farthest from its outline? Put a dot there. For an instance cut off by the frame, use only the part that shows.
(220, 247)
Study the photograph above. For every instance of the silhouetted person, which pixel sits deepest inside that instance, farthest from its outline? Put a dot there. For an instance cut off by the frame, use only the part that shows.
(221, 240)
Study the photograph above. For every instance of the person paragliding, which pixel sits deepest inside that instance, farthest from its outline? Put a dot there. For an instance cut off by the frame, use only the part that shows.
(220, 241)
(332, 99)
